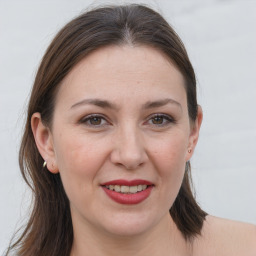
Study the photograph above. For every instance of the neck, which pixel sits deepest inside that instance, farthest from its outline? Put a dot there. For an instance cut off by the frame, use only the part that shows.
(162, 239)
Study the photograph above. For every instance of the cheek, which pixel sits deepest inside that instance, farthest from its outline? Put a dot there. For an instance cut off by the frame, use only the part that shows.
(79, 160)
(79, 153)
(170, 154)
(169, 157)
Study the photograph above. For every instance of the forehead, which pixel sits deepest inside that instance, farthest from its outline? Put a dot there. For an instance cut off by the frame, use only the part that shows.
(121, 72)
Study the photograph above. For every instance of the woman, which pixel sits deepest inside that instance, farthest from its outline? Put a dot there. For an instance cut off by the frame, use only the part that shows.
(112, 123)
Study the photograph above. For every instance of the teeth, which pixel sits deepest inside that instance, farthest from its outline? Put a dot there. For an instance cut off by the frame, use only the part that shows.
(144, 187)
(133, 189)
(117, 188)
(127, 189)
(140, 188)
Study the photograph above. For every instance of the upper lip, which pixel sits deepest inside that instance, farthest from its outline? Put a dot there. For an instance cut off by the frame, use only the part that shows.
(127, 182)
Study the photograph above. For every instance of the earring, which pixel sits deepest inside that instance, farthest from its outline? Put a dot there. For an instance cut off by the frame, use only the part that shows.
(44, 164)
(189, 151)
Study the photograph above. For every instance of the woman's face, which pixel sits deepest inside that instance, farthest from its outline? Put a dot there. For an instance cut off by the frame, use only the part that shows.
(121, 123)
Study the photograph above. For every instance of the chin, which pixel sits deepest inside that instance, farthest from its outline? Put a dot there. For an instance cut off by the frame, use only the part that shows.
(127, 230)
(130, 225)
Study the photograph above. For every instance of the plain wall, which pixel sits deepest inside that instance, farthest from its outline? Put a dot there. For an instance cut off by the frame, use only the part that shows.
(220, 37)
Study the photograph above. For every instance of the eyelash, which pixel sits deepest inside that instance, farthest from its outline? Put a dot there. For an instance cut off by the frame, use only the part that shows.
(168, 120)
(89, 118)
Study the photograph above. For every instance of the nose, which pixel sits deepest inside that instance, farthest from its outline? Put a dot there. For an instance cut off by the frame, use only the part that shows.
(128, 149)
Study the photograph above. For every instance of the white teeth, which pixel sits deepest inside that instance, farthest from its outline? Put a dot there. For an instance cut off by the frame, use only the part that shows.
(127, 189)
(117, 188)
(133, 189)
(124, 189)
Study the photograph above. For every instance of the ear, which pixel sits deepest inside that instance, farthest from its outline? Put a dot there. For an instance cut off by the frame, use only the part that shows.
(194, 133)
(44, 142)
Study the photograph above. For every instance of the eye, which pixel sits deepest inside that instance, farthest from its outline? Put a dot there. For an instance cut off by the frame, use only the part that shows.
(160, 120)
(94, 121)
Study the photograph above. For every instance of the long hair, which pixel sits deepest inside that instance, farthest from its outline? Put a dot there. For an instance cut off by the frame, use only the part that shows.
(49, 230)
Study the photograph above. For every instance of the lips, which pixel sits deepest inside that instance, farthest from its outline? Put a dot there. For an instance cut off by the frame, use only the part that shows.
(128, 192)
(128, 183)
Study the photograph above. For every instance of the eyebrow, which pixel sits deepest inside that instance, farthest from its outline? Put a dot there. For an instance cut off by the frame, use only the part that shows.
(106, 104)
(96, 102)
(160, 103)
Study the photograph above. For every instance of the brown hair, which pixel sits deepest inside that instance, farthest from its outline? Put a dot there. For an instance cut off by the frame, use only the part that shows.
(49, 230)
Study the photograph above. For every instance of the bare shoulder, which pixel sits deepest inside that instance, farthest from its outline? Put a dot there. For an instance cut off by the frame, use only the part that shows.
(226, 237)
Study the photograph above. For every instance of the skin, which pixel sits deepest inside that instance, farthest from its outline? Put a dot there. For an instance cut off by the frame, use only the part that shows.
(129, 139)
(224, 237)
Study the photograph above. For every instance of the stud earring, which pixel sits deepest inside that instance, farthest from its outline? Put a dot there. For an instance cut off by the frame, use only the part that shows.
(189, 151)
(44, 164)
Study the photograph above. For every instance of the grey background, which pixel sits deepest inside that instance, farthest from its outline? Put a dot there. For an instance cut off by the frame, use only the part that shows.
(220, 37)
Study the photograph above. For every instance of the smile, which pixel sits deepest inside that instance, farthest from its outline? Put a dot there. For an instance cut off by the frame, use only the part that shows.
(127, 189)
(128, 192)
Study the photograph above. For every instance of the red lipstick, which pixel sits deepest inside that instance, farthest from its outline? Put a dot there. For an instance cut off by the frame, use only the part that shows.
(128, 182)
(128, 198)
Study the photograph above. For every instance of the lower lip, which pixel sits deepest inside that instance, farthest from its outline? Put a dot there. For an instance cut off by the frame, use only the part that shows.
(135, 198)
